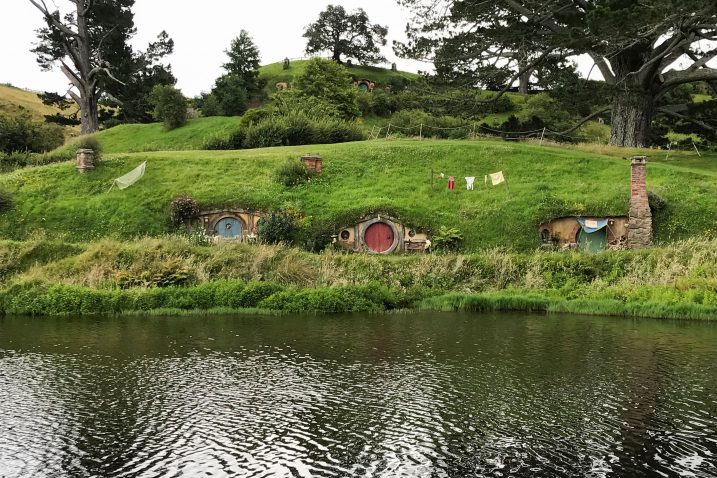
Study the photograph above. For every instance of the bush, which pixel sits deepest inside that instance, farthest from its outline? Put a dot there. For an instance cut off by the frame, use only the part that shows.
(408, 122)
(657, 202)
(22, 133)
(5, 201)
(170, 106)
(279, 227)
(89, 142)
(183, 209)
(447, 239)
(294, 173)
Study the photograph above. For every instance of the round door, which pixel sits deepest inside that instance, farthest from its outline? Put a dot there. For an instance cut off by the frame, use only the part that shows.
(229, 227)
(379, 237)
(595, 242)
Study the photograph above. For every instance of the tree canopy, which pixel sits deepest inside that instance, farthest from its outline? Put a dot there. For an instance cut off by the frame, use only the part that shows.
(636, 46)
(346, 35)
(90, 44)
(232, 91)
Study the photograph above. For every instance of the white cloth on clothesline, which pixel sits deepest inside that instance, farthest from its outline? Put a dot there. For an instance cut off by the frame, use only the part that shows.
(469, 182)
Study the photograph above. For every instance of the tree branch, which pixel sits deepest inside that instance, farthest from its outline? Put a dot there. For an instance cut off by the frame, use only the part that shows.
(673, 78)
(586, 119)
(687, 118)
(604, 68)
(48, 16)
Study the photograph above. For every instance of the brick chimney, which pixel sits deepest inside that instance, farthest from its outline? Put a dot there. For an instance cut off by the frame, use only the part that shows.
(639, 230)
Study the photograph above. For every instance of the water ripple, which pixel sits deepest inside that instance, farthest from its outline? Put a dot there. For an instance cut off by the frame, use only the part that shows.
(447, 396)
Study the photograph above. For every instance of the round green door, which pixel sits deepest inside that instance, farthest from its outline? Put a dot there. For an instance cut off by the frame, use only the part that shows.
(595, 242)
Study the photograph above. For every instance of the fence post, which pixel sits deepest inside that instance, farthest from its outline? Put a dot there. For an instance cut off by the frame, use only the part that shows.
(542, 135)
(420, 133)
(388, 130)
(698, 151)
(473, 133)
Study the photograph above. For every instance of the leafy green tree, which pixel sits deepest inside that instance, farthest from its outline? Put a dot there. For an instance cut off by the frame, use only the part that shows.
(170, 106)
(635, 45)
(231, 95)
(329, 81)
(232, 91)
(346, 35)
(91, 47)
(244, 60)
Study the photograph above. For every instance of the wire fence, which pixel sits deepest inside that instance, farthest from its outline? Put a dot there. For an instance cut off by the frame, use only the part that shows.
(475, 131)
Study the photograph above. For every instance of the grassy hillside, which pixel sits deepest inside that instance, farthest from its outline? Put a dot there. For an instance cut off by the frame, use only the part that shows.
(381, 176)
(275, 72)
(132, 138)
(14, 101)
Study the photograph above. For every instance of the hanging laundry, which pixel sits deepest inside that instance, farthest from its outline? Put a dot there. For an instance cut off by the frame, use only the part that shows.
(469, 182)
(497, 178)
(451, 183)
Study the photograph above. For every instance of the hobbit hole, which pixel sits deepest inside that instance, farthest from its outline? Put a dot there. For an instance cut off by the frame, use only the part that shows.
(381, 235)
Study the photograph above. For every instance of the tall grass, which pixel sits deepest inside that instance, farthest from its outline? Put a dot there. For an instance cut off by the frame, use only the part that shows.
(677, 281)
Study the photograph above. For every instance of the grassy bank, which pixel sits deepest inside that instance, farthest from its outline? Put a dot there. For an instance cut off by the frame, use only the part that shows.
(389, 177)
(109, 277)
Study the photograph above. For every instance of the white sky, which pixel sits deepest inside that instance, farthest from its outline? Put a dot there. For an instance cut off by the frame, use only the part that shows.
(201, 32)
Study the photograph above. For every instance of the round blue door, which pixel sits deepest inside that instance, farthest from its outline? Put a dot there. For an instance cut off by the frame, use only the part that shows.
(228, 227)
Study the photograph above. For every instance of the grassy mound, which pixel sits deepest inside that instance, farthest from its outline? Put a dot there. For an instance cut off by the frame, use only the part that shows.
(391, 177)
(275, 72)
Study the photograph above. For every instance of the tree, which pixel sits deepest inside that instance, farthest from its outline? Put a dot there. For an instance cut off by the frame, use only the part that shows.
(347, 35)
(91, 47)
(170, 106)
(331, 82)
(232, 91)
(244, 60)
(635, 45)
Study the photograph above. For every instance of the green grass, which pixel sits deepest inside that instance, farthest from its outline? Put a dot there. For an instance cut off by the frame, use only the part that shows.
(275, 72)
(391, 177)
(49, 277)
(132, 138)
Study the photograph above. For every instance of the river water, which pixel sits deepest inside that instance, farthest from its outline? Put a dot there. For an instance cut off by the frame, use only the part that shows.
(420, 395)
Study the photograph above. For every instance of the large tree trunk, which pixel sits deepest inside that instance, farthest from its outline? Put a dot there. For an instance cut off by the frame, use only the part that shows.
(632, 113)
(524, 83)
(89, 113)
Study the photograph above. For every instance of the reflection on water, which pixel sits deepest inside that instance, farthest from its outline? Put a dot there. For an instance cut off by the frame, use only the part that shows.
(416, 396)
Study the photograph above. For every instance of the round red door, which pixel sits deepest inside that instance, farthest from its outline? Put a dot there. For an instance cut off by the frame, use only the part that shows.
(379, 237)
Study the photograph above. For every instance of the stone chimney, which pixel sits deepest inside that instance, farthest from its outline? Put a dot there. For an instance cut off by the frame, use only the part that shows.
(85, 160)
(314, 162)
(639, 230)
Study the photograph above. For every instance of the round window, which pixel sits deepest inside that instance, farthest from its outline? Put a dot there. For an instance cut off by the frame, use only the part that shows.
(345, 235)
(411, 233)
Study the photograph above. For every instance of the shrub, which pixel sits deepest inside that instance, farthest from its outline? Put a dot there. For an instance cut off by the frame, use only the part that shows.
(657, 202)
(183, 209)
(5, 201)
(23, 133)
(278, 227)
(89, 142)
(294, 173)
(170, 106)
(447, 238)
(255, 292)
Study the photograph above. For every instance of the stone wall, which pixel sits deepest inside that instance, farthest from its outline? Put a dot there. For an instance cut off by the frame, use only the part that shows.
(639, 230)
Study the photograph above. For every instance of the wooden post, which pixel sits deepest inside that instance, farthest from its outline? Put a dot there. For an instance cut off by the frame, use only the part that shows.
(420, 133)
(669, 148)
(388, 131)
(542, 135)
(698, 151)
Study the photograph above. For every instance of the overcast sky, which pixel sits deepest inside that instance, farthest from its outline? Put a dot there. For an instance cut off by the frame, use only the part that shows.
(201, 32)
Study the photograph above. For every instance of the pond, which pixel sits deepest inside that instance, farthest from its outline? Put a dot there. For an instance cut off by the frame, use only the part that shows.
(415, 395)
